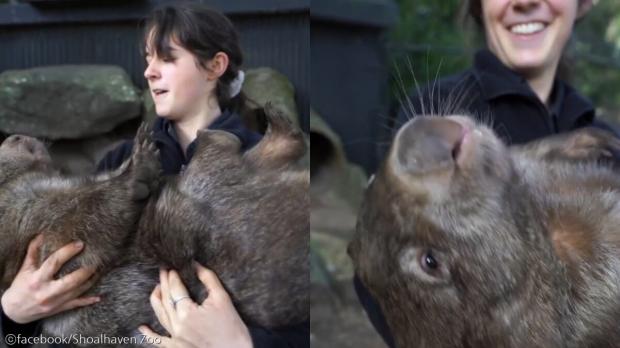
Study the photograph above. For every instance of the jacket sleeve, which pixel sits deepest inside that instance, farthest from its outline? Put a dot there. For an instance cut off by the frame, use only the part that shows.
(9, 327)
(295, 336)
(115, 158)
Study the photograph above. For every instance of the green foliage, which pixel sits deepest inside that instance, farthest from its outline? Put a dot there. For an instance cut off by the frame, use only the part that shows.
(430, 40)
(596, 53)
(426, 43)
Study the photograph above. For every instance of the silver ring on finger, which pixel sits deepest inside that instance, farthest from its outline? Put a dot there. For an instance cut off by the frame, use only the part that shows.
(174, 301)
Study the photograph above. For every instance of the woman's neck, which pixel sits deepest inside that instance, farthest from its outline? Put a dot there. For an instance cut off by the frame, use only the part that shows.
(542, 84)
(187, 128)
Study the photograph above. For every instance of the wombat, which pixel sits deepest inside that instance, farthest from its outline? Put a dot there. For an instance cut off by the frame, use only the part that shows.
(465, 242)
(102, 210)
(245, 216)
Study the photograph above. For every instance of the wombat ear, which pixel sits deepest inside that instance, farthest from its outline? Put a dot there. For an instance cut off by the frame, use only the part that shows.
(282, 144)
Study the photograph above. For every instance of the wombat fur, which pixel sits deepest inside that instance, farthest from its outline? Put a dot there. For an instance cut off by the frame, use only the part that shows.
(243, 215)
(102, 210)
(465, 242)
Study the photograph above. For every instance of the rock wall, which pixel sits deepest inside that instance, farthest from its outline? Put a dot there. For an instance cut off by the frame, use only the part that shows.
(84, 111)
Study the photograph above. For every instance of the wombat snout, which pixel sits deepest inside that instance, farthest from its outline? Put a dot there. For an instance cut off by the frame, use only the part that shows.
(25, 144)
(428, 144)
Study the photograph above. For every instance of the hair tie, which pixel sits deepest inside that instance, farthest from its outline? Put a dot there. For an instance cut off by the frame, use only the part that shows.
(235, 85)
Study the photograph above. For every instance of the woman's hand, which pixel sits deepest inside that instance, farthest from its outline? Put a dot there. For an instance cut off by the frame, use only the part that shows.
(213, 323)
(35, 294)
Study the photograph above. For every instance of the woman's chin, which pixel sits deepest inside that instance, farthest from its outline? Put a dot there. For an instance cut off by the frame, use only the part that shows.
(527, 64)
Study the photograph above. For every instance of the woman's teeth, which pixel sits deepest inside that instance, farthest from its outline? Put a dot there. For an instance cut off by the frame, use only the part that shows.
(527, 28)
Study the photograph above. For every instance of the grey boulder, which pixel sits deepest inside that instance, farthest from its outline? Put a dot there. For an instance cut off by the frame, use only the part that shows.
(66, 102)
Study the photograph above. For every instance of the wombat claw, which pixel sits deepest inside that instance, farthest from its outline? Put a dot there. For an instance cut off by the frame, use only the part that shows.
(146, 168)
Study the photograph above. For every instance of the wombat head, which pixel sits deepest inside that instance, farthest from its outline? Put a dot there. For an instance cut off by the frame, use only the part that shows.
(20, 154)
(437, 240)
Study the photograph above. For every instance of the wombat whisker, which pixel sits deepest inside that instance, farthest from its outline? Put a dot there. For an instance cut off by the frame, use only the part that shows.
(417, 86)
(455, 99)
(435, 109)
(403, 95)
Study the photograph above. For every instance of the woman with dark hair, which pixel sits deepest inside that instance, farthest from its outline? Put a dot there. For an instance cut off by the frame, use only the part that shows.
(513, 85)
(194, 77)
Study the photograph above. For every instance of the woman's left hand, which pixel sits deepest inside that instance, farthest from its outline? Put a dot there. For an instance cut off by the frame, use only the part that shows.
(213, 323)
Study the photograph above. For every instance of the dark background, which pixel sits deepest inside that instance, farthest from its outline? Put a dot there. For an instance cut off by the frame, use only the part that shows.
(51, 32)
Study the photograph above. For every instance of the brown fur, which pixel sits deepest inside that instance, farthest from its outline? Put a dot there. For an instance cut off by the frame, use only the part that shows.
(526, 240)
(102, 211)
(245, 216)
(242, 215)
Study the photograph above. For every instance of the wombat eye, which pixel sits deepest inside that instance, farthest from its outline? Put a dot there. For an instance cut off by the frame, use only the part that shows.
(429, 263)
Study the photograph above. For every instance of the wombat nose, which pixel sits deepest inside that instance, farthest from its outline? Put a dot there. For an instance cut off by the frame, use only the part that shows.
(426, 144)
(23, 143)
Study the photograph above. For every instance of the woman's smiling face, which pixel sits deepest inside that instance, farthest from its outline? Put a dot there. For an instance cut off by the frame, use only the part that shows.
(529, 35)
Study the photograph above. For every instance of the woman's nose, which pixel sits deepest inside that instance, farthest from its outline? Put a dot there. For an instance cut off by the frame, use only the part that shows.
(152, 70)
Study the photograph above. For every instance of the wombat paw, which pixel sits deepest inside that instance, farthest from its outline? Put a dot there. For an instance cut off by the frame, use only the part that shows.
(145, 165)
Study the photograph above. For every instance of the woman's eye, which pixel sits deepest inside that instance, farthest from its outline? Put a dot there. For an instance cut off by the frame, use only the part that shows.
(429, 263)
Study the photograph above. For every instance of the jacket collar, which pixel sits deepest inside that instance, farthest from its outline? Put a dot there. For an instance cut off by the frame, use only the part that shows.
(497, 81)
(173, 158)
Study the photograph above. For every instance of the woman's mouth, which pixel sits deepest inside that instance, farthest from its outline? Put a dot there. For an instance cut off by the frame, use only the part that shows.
(158, 92)
(528, 28)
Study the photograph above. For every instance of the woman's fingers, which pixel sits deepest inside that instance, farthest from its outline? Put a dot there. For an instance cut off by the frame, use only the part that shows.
(75, 292)
(83, 287)
(32, 254)
(58, 258)
(178, 293)
(215, 289)
(75, 303)
(73, 280)
(158, 308)
(165, 292)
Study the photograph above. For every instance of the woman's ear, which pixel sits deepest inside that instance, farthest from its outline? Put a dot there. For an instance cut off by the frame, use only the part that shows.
(583, 7)
(217, 66)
